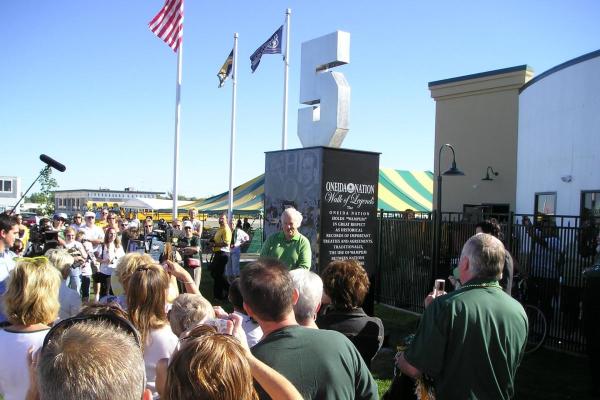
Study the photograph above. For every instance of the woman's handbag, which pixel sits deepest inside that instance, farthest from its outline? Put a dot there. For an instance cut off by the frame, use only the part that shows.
(192, 263)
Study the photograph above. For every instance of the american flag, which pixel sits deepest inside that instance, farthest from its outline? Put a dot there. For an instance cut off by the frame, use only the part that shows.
(168, 23)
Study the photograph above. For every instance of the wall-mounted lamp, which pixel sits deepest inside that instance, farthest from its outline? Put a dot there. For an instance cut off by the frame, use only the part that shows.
(487, 174)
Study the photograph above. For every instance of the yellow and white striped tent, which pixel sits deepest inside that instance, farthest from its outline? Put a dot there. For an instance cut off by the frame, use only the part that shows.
(398, 191)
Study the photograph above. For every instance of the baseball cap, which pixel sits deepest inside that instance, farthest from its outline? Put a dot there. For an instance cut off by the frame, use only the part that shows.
(90, 214)
(187, 224)
(62, 216)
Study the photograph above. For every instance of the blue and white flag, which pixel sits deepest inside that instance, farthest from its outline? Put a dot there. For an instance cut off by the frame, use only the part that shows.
(271, 46)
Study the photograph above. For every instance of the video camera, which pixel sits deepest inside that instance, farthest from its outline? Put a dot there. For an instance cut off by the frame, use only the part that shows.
(41, 239)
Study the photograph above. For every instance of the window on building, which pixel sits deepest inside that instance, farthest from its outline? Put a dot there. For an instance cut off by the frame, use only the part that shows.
(545, 204)
(5, 185)
(590, 204)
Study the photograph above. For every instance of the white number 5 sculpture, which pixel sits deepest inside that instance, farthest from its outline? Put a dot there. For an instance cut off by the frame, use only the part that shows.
(328, 92)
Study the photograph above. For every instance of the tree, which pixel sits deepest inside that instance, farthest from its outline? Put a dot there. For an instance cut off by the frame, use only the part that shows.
(46, 194)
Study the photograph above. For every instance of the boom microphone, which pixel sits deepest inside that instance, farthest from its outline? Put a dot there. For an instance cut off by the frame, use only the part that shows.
(52, 163)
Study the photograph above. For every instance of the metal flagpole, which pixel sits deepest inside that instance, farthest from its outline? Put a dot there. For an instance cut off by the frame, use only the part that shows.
(232, 144)
(177, 116)
(286, 67)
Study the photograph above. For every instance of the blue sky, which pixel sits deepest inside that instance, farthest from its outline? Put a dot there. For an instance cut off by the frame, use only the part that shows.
(88, 84)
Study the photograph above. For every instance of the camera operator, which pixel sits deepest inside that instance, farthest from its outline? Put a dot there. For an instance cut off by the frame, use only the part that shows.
(58, 225)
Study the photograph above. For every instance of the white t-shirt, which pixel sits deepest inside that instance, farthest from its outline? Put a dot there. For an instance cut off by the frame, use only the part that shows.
(14, 373)
(7, 264)
(161, 343)
(114, 254)
(253, 332)
(93, 232)
(70, 302)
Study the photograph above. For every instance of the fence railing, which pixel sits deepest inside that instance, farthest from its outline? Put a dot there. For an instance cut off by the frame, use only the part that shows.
(552, 254)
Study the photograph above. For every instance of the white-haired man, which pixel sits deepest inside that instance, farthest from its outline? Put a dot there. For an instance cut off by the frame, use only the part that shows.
(289, 246)
(471, 341)
(310, 290)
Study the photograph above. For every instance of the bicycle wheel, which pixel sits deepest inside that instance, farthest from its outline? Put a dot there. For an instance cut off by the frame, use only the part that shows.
(538, 328)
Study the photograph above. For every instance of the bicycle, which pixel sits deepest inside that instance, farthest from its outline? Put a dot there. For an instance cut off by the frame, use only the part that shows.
(538, 324)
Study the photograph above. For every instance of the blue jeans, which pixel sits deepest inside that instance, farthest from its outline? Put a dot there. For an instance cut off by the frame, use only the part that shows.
(74, 279)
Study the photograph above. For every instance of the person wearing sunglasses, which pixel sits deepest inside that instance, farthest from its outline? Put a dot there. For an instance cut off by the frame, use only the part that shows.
(77, 222)
(31, 304)
(92, 232)
(102, 350)
(103, 220)
(189, 245)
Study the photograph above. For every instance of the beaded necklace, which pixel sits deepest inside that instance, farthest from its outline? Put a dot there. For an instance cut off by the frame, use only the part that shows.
(484, 284)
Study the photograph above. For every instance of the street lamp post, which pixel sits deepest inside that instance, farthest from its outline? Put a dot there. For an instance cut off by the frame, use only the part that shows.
(452, 171)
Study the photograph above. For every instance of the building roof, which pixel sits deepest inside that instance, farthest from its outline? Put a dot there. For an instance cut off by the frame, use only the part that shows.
(562, 66)
(524, 67)
(108, 191)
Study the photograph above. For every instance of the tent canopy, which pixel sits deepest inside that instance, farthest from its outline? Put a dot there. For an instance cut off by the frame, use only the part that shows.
(398, 191)
(402, 190)
(152, 204)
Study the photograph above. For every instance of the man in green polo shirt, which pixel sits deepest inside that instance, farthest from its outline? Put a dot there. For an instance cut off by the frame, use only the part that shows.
(471, 341)
(289, 246)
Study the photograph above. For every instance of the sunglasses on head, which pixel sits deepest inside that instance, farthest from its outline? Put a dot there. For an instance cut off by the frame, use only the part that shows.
(110, 318)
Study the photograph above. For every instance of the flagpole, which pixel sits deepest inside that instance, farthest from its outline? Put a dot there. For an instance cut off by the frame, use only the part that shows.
(286, 66)
(177, 116)
(233, 109)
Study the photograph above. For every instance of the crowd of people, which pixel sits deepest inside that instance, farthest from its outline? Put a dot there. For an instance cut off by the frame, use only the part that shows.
(146, 331)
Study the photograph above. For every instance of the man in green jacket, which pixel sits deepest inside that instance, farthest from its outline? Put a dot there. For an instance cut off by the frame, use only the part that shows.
(471, 341)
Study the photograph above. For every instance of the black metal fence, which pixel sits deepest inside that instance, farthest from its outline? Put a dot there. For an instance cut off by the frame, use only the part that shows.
(552, 253)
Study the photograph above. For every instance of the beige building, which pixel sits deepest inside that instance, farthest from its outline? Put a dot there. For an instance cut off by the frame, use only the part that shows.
(478, 115)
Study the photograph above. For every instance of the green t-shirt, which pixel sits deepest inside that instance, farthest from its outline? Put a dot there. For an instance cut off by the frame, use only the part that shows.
(321, 364)
(471, 342)
(294, 253)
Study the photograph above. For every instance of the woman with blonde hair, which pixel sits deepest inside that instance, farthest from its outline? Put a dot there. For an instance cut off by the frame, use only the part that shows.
(31, 305)
(146, 304)
(126, 266)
